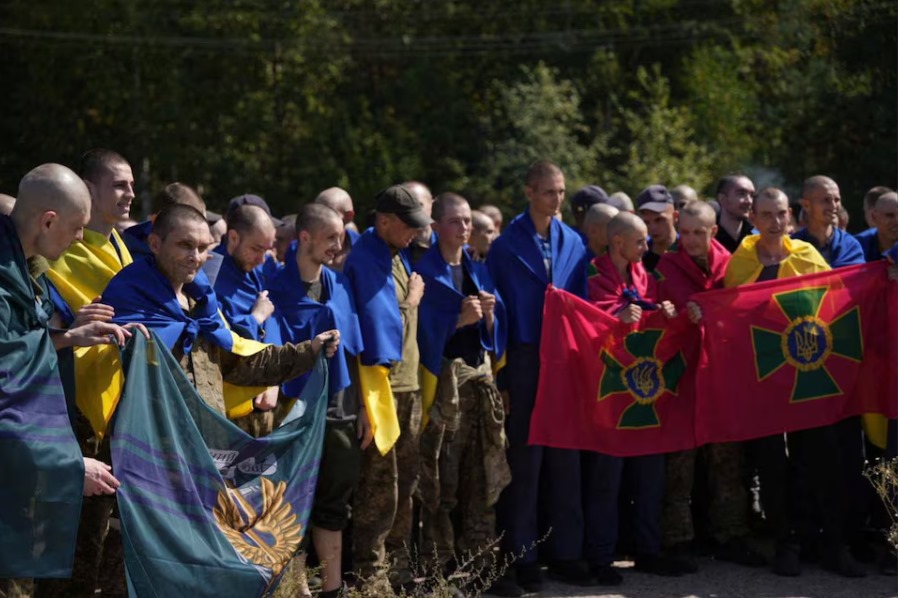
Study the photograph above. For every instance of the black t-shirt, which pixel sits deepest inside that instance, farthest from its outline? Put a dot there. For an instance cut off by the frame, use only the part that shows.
(768, 273)
(724, 238)
(465, 343)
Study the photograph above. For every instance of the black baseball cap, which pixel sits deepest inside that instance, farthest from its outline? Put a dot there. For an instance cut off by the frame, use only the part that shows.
(588, 196)
(398, 200)
(655, 198)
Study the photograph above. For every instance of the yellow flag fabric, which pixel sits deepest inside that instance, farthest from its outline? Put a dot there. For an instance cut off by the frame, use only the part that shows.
(745, 267)
(428, 393)
(84, 270)
(239, 399)
(381, 407)
(876, 427)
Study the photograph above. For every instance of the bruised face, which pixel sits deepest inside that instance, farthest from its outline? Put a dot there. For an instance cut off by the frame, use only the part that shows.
(182, 252)
(250, 248)
(695, 235)
(454, 227)
(631, 244)
(324, 242)
(112, 193)
(546, 195)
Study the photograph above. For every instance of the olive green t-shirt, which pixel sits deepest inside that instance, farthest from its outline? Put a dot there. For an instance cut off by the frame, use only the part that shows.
(404, 374)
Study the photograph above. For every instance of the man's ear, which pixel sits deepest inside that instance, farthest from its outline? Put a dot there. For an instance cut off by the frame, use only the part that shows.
(92, 188)
(233, 237)
(713, 231)
(47, 219)
(528, 192)
(154, 242)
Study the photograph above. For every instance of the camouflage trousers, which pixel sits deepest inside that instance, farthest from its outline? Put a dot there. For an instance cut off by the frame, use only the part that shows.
(99, 556)
(382, 508)
(470, 469)
(729, 507)
(16, 588)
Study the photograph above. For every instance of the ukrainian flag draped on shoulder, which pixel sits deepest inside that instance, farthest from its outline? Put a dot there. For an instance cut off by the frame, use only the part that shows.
(438, 316)
(207, 510)
(140, 293)
(301, 318)
(237, 292)
(41, 466)
(369, 268)
(745, 267)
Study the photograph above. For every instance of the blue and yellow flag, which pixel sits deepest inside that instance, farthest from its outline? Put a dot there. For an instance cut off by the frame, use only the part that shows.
(41, 467)
(206, 509)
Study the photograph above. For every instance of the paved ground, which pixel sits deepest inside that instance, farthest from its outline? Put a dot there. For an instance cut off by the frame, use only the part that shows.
(723, 580)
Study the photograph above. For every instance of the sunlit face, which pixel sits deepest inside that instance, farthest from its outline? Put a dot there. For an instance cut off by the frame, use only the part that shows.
(632, 244)
(249, 249)
(771, 217)
(885, 217)
(112, 193)
(546, 196)
(696, 235)
(821, 205)
(661, 225)
(59, 230)
(396, 233)
(454, 227)
(181, 254)
(323, 243)
(482, 238)
(737, 199)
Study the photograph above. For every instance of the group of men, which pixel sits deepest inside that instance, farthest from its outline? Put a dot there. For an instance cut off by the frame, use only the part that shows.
(431, 320)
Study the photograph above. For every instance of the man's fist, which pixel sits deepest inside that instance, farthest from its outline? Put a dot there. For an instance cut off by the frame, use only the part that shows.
(415, 289)
(262, 308)
(630, 314)
(471, 312)
(98, 478)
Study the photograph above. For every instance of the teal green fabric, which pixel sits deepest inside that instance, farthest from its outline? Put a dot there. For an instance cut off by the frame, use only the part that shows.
(41, 466)
(205, 508)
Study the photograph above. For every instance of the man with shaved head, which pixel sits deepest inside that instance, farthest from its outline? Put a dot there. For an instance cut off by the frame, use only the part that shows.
(494, 213)
(699, 264)
(483, 233)
(426, 238)
(884, 214)
(135, 237)
(770, 255)
(534, 251)
(310, 298)
(734, 194)
(595, 226)
(623, 288)
(41, 508)
(820, 204)
(339, 200)
(683, 194)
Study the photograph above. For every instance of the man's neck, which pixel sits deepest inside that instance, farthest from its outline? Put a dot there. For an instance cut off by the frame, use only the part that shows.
(541, 223)
(661, 247)
(771, 251)
(453, 256)
(731, 224)
(884, 244)
(100, 227)
(822, 233)
(309, 271)
(702, 262)
(622, 265)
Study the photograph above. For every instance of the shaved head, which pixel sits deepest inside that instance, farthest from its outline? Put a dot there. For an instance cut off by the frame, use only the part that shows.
(625, 223)
(494, 213)
(886, 200)
(178, 193)
(52, 208)
(420, 192)
(599, 214)
(816, 182)
(336, 199)
(700, 210)
(313, 216)
(444, 202)
(480, 221)
(247, 218)
(6, 204)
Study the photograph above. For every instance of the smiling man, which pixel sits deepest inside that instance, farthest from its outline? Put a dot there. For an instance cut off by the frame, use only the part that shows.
(820, 202)
(734, 194)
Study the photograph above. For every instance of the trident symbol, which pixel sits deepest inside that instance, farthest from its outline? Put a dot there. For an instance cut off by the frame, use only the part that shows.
(644, 379)
(806, 341)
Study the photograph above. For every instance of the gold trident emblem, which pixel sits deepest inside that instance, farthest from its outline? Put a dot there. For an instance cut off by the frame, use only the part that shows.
(645, 380)
(806, 341)
(642, 375)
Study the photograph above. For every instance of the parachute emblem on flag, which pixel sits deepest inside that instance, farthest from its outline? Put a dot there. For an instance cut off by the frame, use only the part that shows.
(645, 380)
(806, 343)
(268, 538)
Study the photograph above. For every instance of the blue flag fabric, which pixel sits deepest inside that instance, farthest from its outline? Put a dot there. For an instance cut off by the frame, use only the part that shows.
(302, 318)
(140, 293)
(369, 268)
(842, 249)
(516, 265)
(206, 509)
(41, 466)
(441, 305)
(237, 292)
(136, 239)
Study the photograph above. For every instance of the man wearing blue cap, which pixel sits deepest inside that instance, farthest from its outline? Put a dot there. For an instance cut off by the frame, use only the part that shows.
(656, 208)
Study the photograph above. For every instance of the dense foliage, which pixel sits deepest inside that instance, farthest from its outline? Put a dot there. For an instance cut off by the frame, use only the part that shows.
(284, 98)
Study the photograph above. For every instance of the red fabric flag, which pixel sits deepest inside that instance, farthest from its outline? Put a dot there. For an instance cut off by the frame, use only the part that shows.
(797, 353)
(611, 387)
